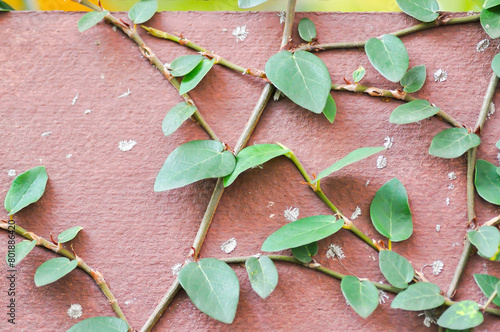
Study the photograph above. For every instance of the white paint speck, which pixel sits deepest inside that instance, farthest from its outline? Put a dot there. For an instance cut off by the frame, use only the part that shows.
(335, 251)
(356, 213)
(381, 162)
(240, 33)
(102, 76)
(491, 111)
(129, 301)
(75, 311)
(46, 134)
(437, 267)
(176, 269)
(388, 142)
(224, 30)
(126, 94)
(11, 172)
(291, 214)
(270, 204)
(438, 228)
(452, 176)
(282, 16)
(367, 183)
(69, 155)
(229, 245)
(126, 145)
(430, 317)
(470, 13)
(114, 28)
(271, 215)
(482, 45)
(74, 99)
(451, 186)
(440, 75)
(382, 296)
(447, 201)
(87, 112)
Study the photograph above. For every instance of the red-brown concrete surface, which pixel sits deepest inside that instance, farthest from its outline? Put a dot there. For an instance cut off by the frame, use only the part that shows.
(134, 235)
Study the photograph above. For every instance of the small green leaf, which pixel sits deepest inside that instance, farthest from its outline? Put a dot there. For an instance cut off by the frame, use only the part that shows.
(250, 3)
(176, 117)
(100, 324)
(351, 158)
(422, 10)
(307, 29)
(194, 161)
(487, 181)
(21, 250)
(191, 80)
(362, 295)
(26, 188)
(304, 253)
(53, 270)
(419, 296)
(262, 274)
(495, 65)
(90, 19)
(142, 11)
(5, 7)
(413, 111)
(330, 110)
(491, 3)
(252, 156)
(487, 284)
(462, 315)
(213, 287)
(358, 74)
(490, 20)
(498, 145)
(302, 232)
(390, 212)
(395, 268)
(389, 56)
(302, 77)
(486, 239)
(68, 234)
(453, 142)
(185, 64)
(414, 79)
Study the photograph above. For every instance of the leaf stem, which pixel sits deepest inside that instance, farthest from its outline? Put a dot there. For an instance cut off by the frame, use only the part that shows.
(490, 299)
(490, 92)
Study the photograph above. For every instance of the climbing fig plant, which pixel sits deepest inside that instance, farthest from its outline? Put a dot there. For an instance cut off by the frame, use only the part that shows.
(301, 76)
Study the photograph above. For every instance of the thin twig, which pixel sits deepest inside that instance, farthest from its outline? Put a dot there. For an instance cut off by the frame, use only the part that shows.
(485, 107)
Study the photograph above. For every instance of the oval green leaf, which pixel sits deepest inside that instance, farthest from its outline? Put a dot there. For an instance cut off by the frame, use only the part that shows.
(142, 11)
(90, 19)
(100, 324)
(191, 80)
(53, 270)
(307, 29)
(414, 79)
(453, 142)
(486, 239)
(419, 296)
(176, 117)
(358, 74)
(498, 145)
(491, 3)
(395, 268)
(302, 77)
(330, 110)
(5, 7)
(26, 188)
(389, 56)
(21, 250)
(351, 158)
(302, 232)
(68, 234)
(462, 315)
(250, 3)
(487, 181)
(362, 295)
(422, 10)
(414, 111)
(488, 284)
(495, 65)
(185, 64)
(213, 287)
(252, 156)
(304, 253)
(490, 20)
(262, 274)
(390, 212)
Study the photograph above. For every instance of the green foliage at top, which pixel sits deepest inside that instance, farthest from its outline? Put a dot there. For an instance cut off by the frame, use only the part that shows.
(422, 10)
(250, 3)
(307, 29)
(462, 315)
(262, 274)
(362, 295)
(100, 324)
(142, 11)
(453, 142)
(490, 21)
(5, 7)
(90, 19)
(389, 56)
(414, 79)
(26, 188)
(490, 3)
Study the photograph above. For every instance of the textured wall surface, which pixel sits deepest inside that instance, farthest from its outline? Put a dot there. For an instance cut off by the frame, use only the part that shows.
(134, 235)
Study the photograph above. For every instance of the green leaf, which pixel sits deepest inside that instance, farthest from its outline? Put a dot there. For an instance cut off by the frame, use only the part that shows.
(191, 80)
(26, 188)
(453, 142)
(302, 77)
(90, 19)
(194, 161)
(302, 232)
(389, 56)
(213, 287)
(100, 324)
(53, 270)
(304, 253)
(185, 64)
(176, 117)
(414, 79)
(495, 65)
(395, 268)
(422, 10)
(488, 284)
(413, 111)
(487, 181)
(330, 110)
(21, 250)
(250, 3)
(462, 315)
(390, 212)
(419, 296)
(498, 145)
(491, 3)
(68, 234)
(262, 274)
(252, 156)
(486, 239)
(5, 7)
(362, 295)
(351, 158)
(307, 29)
(142, 11)
(490, 20)
(358, 74)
